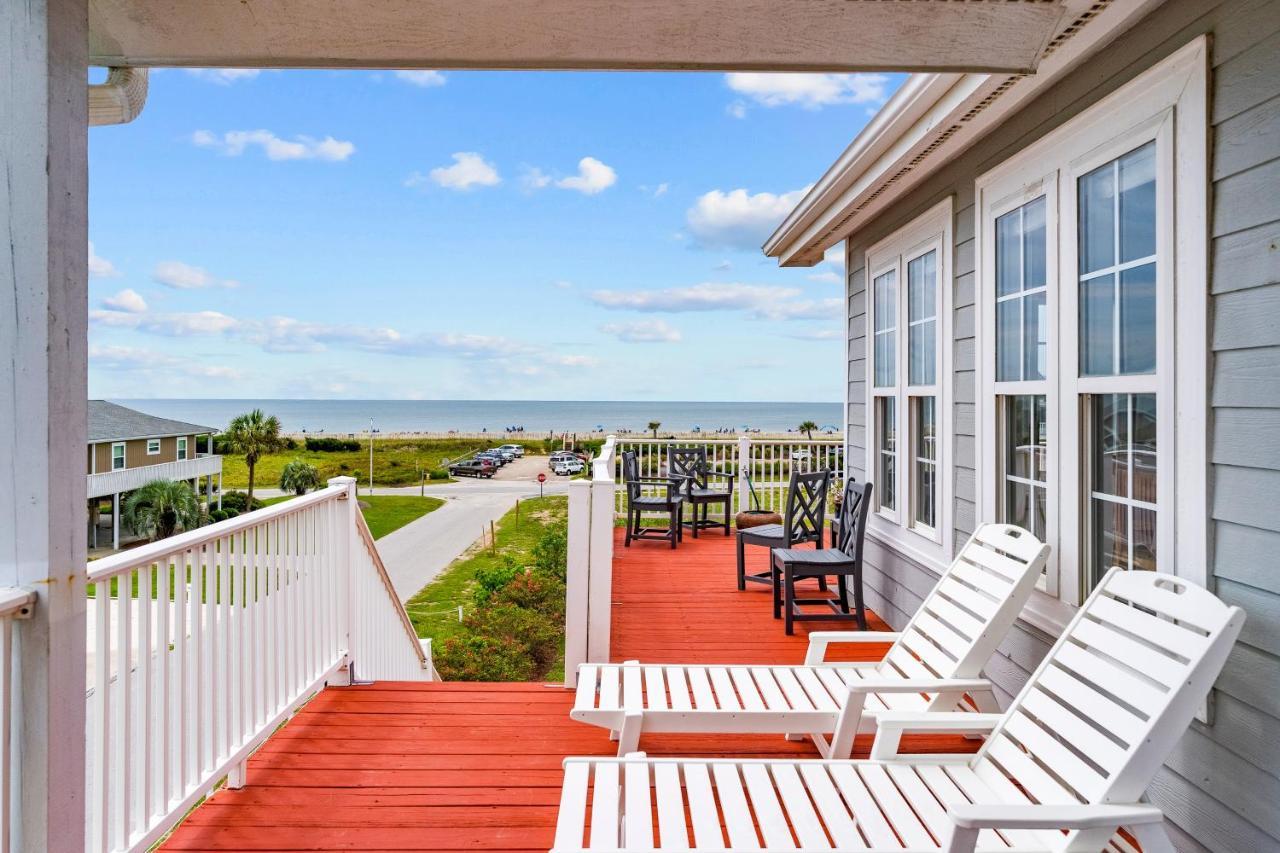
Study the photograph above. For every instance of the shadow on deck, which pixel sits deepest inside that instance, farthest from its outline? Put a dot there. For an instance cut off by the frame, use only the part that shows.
(476, 766)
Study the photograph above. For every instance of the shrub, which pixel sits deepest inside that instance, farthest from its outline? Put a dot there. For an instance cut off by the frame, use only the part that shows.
(331, 445)
(551, 551)
(477, 657)
(491, 579)
(299, 476)
(290, 443)
(438, 474)
(536, 593)
(236, 501)
(511, 626)
(217, 515)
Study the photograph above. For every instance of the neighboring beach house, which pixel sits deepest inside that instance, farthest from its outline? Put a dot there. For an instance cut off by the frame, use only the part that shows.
(1062, 293)
(128, 449)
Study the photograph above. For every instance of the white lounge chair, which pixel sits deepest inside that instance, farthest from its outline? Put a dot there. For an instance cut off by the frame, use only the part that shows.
(931, 666)
(1063, 769)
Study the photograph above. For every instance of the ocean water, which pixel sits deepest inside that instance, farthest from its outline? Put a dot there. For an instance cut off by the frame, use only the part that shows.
(536, 416)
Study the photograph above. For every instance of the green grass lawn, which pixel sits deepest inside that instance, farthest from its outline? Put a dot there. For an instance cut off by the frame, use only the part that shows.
(387, 513)
(396, 461)
(434, 610)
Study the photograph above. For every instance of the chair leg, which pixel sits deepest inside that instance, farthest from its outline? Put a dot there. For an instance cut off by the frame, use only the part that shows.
(858, 604)
(842, 589)
(789, 598)
(822, 582)
(726, 516)
(673, 532)
(696, 525)
(776, 583)
(627, 541)
(742, 566)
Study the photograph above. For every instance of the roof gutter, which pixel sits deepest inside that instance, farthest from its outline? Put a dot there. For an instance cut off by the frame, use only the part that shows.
(120, 99)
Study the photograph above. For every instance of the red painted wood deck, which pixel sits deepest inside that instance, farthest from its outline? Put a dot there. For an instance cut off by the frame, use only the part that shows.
(471, 766)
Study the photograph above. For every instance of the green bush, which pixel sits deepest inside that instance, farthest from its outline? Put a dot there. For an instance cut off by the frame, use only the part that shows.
(551, 551)
(236, 501)
(438, 474)
(477, 657)
(332, 445)
(534, 592)
(290, 442)
(491, 579)
(510, 625)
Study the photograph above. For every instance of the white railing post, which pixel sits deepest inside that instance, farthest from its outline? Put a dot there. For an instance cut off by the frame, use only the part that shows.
(577, 578)
(600, 564)
(346, 542)
(744, 470)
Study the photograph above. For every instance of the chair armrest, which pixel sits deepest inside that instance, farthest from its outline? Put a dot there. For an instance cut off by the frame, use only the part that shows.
(1038, 816)
(712, 472)
(890, 727)
(918, 685)
(819, 640)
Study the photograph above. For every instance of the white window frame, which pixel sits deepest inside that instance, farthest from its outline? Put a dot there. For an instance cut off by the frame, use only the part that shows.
(153, 447)
(1167, 104)
(932, 230)
(124, 460)
(182, 450)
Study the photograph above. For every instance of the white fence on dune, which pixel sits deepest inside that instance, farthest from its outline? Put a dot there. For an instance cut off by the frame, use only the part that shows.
(201, 644)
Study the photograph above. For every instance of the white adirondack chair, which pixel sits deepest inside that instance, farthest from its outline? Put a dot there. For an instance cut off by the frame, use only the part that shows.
(933, 663)
(1062, 770)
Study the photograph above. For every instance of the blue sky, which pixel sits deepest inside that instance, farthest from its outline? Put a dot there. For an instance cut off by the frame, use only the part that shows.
(471, 235)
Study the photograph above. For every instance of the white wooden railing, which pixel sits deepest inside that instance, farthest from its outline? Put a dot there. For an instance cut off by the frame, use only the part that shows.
(200, 645)
(127, 479)
(589, 574)
(15, 607)
(767, 462)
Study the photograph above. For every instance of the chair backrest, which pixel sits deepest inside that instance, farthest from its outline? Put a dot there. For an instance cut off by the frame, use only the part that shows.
(1115, 694)
(852, 516)
(631, 474)
(689, 462)
(972, 607)
(806, 507)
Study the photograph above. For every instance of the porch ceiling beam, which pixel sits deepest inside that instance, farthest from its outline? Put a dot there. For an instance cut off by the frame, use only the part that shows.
(797, 35)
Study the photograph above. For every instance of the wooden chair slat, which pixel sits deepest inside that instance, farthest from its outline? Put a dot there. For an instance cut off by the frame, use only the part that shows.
(678, 687)
(791, 688)
(609, 676)
(1150, 662)
(733, 799)
(585, 694)
(997, 789)
(726, 696)
(632, 692)
(1082, 778)
(799, 809)
(702, 808)
(769, 689)
(703, 697)
(985, 582)
(814, 689)
(1022, 769)
(957, 593)
(949, 794)
(1162, 632)
(999, 564)
(604, 808)
(571, 821)
(746, 686)
(1010, 539)
(1121, 684)
(1086, 739)
(900, 813)
(637, 830)
(831, 808)
(655, 688)
(673, 834)
(765, 805)
(868, 814)
(1093, 704)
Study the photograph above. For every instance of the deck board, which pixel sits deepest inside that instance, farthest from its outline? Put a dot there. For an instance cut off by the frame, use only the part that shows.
(476, 766)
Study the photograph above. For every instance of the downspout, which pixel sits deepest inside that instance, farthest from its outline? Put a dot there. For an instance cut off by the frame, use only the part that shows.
(120, 99)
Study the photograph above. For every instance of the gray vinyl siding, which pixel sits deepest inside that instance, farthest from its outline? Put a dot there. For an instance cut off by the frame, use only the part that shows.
(1221, 787)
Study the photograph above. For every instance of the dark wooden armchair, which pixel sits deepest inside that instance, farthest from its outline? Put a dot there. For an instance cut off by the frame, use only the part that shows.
(790, 565)
(669, 500)
(690, 464)
(806, 509)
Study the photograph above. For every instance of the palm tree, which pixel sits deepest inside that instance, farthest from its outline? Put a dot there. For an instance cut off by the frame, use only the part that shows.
(254, 434)
(299, 476)
(807, 428)
(160, 507)
(653, 427)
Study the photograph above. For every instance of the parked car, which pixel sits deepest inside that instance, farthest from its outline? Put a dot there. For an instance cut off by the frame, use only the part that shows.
(563, 467)
(800, 455)
(473, 468)
(558, 455)
(516, 449)
(492, 456)
(506, 454)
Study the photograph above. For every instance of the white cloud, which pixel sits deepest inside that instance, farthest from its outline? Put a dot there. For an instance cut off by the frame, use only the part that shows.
(126, 300)
(101, 267)
(824, 276)
(135, 359)
(593, 177)
(168, 325)
(661, 189)
(763, 302)
(421, 78)
(738, 109)
(180, 276)
(469, 170)
(224, 76)
(817, 335)
(562, 285)
(533, 178)
(738, 219)
(811, 91)
(233, 143)
(643, 332)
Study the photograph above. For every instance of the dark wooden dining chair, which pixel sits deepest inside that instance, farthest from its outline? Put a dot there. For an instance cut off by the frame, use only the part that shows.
(789, 565)
(704, 486)
(669, 500)
(802, 522)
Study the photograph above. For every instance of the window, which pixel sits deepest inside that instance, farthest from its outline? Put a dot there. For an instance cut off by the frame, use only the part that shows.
(182, 447)
(117, 456)
(1088, 337)
(909, 404)
(153, 446)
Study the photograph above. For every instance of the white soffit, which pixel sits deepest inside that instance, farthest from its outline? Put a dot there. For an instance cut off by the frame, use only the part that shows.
(932, 119)
(776, 35)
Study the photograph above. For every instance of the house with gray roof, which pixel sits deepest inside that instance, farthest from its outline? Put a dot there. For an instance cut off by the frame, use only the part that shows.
(128, 449)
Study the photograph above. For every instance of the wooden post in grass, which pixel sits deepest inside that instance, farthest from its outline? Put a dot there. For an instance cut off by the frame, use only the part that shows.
(493, 538)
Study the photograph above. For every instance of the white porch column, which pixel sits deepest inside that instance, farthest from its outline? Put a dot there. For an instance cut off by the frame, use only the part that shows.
(115, 521)
(43, 434)
(744, 470)
(219, 490)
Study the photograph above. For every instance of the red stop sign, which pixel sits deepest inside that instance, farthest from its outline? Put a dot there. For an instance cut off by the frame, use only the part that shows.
(542, 478)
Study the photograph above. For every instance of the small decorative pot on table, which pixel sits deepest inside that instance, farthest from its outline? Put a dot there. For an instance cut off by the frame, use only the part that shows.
(755, 518)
